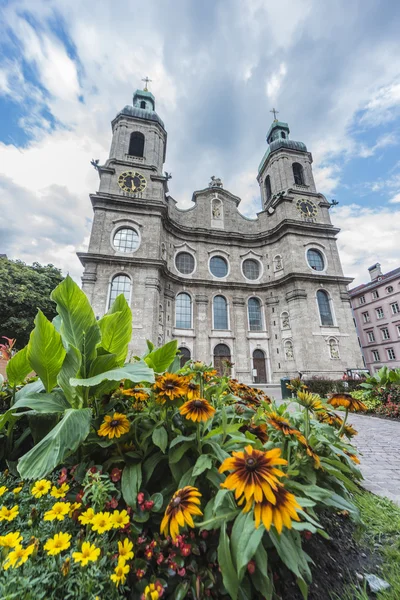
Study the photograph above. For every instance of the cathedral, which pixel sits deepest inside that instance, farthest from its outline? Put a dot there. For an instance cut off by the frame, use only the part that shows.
(262, 298)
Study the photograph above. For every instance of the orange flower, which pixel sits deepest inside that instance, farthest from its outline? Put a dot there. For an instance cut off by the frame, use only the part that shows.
(197, 410)
(183, 504)
(347, 401)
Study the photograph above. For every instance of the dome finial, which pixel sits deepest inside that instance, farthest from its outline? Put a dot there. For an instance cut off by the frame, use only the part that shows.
(275, 112)
(146, 81)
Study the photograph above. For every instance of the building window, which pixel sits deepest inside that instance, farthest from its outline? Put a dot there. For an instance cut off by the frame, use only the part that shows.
(379, 313)
(324, 306)
(120, 284)
(255, 318)
(126, 239)
(222, 359)
(283, 135)
(375, 294)
(143, 104)
(251, 268)
(389, 289)
(375, 356)
(390, 354)
(136, 144)
(183, 311)
(298, 173)
(365, 317)
(260, 375)
(385, 333)
(218, 266)
(395, 308)
(398, 330)
(220, 313)
(268, 191)
(315, 260)
(361, 300)
(184, 263)
(185, 356)
(370, 335)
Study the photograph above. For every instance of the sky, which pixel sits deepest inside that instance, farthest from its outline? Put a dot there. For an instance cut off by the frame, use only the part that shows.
(218, 67)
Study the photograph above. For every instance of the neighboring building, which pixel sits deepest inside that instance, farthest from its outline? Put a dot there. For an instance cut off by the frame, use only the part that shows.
(267, 294)
(376, 309)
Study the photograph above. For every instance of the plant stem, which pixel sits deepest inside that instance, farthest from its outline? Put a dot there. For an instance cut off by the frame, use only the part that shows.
(344, 422)
(306, 424)
(198, 438)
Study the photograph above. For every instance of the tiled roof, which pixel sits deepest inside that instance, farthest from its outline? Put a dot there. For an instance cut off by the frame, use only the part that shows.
(372, 284)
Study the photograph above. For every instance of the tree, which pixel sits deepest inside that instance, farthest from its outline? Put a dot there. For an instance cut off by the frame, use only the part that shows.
(23, 290)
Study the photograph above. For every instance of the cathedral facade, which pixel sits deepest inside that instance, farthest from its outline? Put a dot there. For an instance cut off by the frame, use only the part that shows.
(263, 297)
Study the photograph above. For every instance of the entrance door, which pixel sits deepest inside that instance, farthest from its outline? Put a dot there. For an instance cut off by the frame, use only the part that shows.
(222, 358)
(259, 366)
(185, 355)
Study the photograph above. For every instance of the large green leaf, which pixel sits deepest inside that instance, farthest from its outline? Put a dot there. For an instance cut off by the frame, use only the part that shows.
(18, 367)
(130, 483)
(43, 403)
(70, 368)
(203, 463)
(229, 576)
(288, 546)
(245, 539)
(79, 326)
(160, 359)
(116, 329)
(102, 364)
(62, 441)
(160, 438)
(46, 352)
(135, 372)
(260, 578)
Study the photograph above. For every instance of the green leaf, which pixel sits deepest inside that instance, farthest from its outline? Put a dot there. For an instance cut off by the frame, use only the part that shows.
(182, 438)
(52, 450)
(150, 464)
(303, 587)
(158, 500)
(18, 367)
(228, 571)
(181, 590)
(203, 463)
(102, 364)
(70, 368)
(160, 359)
(130, 483)
(160, 438)
(79, 326)
(116, 329)
(135, 372)
(223, 517)
(245, 539)
(288, 546)
(45, 352)
(176, 453)
(43, 403)
(260, 578)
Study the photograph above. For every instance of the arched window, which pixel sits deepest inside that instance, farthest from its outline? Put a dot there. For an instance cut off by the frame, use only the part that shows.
(185, 355)
(315, 259)
(259, 365)
(283, 134)
(143, 104)
(255, 318)
(298, 173)
(136, 144)
(222, 359)
(183, 311)
(324, 307)
(126, 239)
(268, 191)
(220, 313)
(120, 284)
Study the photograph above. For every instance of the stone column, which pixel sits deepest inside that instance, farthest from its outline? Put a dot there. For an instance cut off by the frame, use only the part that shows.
(201, 346)
(151, 308)
(241, 358)
(272, 322)
(301, 329)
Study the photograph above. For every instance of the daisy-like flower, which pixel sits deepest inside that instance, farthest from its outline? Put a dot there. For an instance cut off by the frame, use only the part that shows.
(59, 492)
(347, 401)
(114, 426)
(18, 556)
(125, 550)
(74, 506)
(314, 456)
(58, 512)
(137, 393)
(170, 386)
(41, 488)
(101, 522)
(119, 519)
(8, 514)
(260, 431)
(153, 591)
(349, 431)
(17, 489)
(183, 504)
(59, 542)
(282, 424)
(193, 390)
(86, 517)
(309, 400)
(281, 513)
(120, 573)
(197, 410)
(3, 490)
(89, 553)
(330, 418)
(11, 540)
(254, 473)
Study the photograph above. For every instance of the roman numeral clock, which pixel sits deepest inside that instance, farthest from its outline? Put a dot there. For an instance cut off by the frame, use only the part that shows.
(132, 182)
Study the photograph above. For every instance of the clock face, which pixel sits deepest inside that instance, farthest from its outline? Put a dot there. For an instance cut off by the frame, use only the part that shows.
(132, 182)
(307, 208)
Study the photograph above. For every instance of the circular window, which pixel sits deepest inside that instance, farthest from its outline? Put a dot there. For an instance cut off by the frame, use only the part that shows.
(389, 289)
(251, 268)
(126, 240)
(184, 263)
(218, 266)
(315, 260)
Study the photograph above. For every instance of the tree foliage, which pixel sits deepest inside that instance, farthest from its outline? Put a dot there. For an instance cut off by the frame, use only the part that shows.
(23, 290)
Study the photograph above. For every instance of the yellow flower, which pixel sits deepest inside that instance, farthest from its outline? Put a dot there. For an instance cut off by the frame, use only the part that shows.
(125, 550)
(282, 513)
(89, 552)
(17, 489)
(197, 410)
(309, 401)
(119, 519)
(183, 504)
(74, 506)
(41, 488)
(86, 517)
(347, 401)
(59, 511)
(170, 386)
(120, 573)
(3, 490)
(65, 567)
(193, 390)
(151, 592)
(8, 514)
(58, 543)
(114, 426)
(102, 522)
(59, 492)
(18, 556)
(11, 540)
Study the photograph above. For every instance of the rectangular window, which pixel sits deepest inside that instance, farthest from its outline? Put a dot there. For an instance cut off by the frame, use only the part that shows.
(361, 300)
(385, 333)
(365, 317)
(398, 329)
(379, 313)
(395, 308)
(375, 356)
(370, 335)
(390, 354)
(375, 294)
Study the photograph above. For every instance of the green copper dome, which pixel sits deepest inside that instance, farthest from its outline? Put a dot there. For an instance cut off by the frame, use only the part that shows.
(143, 107)
(278, 138)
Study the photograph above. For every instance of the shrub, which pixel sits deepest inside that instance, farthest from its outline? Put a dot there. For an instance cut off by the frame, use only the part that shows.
(324, 387)
(390, 409)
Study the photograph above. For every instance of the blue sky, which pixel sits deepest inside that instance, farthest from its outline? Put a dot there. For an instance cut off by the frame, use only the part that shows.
(218, 67)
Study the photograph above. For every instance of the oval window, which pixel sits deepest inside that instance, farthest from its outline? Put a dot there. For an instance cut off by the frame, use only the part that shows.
(126, 239)
(251, 269)
(218, 266)
(184, 263)
(315, 260)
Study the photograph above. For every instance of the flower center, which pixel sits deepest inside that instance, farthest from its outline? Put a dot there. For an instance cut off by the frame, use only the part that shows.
(251, 463)
(197, 403)
(176, 502)
(170, 385)
(114, 423)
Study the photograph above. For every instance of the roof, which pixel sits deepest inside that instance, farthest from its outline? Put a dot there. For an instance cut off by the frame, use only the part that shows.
(364, 287)
(277, 145)
(140, 113)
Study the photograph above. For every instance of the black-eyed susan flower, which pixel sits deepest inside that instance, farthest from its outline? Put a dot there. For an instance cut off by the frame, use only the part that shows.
(101, 522)
(11, 540)
(119, 519)
(8, 514)
(89, 553)
(114, 426)
(137, 393)
(58, 512)
(18, 556)
(260, 431)
(120, 573)
(349, 431)
(330, 418)
(282, 424)
(347, 401)
(58, 543)
(41, 488)
(193, 390)
(197, 410)
(59, 492)
(170, 386)
(254, 473)
(313, 455)
(183, 504)
(281, 514)
(86, 517)
(125, 550)
(309, 401)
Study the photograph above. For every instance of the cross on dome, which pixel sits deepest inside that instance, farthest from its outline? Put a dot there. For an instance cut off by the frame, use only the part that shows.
(146, 81)
(275, 112)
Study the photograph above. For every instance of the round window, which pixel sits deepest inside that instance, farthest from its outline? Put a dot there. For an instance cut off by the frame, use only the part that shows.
(126, 240)
(218, 266)
(184, 263)
(315, 260)
(251, 269)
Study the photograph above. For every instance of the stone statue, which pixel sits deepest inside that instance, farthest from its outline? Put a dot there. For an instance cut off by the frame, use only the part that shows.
(289, 351)
(215, 182)
(333, 349)
(278, 263)
(163, 251)
(216, 209)
(285, 321)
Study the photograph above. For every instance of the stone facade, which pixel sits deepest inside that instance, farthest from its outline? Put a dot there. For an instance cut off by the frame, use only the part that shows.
(282, 267)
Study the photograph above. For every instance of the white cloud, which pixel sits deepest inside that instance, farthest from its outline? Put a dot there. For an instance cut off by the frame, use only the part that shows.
(275, 81)
(390, 139)
(383, 106)
(395, 199)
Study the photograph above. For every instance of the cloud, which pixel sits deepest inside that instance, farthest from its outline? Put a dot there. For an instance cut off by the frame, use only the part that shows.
(384, 106)
(389, 139)
(274, 82)
(395, 199)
